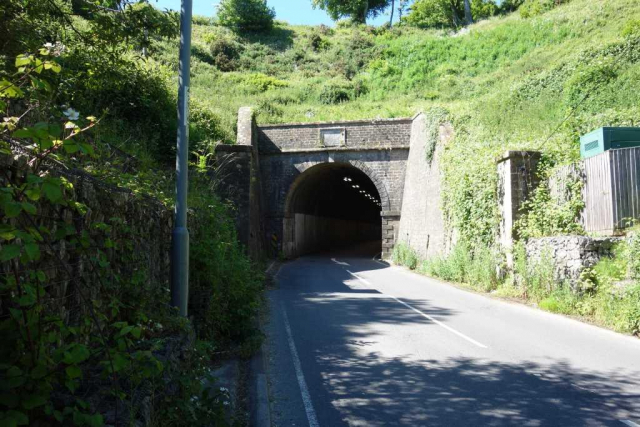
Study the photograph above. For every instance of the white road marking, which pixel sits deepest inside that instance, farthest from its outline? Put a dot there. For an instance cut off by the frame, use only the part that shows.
(339, 262)
(437, 322)
(629, 423)
(304, 391)
(362, 279)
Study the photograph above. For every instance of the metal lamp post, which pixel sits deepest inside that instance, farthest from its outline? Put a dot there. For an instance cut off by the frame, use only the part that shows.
(180, 235)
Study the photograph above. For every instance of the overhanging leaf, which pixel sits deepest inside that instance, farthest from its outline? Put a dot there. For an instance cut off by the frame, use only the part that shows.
(9, 252)
(52, 191)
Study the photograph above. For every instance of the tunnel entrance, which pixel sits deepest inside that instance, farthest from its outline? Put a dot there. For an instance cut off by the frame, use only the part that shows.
(332, 206)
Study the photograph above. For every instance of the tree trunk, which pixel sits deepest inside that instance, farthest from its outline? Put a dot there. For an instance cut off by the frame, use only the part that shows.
(393, 5)
(455, 19)
(366, 11)
(467, 12)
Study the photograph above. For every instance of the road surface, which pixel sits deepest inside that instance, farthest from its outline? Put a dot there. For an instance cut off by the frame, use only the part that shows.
(355, 342)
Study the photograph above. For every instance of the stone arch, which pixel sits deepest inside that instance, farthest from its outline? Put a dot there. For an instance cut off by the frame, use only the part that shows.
(297, 207)
(307, 167)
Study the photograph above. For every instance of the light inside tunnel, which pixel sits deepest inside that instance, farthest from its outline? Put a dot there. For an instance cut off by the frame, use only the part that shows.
(332, 206)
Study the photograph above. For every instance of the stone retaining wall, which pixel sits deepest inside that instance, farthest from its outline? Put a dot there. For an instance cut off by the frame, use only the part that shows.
(571, 255)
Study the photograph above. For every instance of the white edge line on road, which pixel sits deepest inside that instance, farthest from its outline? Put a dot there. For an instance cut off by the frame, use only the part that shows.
(363, 280)
(304, 391)
(629, 423)
(437, 322)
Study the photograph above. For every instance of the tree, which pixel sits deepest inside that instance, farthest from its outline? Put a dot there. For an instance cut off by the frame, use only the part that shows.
(357, 10)
(449, 13)
(246, 15)
(468, 17)
(403, 7)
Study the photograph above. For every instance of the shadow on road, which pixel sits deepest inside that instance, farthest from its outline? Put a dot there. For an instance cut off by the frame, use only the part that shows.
(335, 320)
(465, 392)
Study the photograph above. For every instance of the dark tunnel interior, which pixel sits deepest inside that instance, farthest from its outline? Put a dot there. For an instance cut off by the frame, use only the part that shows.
(334, 206)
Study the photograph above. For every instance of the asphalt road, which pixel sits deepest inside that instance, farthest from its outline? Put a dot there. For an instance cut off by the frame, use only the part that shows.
(352, 341)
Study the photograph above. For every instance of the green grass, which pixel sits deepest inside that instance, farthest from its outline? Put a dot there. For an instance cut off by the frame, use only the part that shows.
(594, 298)
(510, 83)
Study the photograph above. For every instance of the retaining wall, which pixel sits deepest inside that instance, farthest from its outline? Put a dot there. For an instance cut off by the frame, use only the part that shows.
(422, 225)
(570, 255)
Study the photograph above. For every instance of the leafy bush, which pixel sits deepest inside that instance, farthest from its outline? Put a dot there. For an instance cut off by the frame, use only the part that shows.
(535, 278)
(476, 267)
(546, 217)
(404, 255)
(225, 52)
(336, 91)
(508, 6)
(631, 28)
(318, 43)
(588, 81)
(225, 288)
(531, 8)
(246, 15)
(205, 130)
(263, 83)
(447, 14)
(201, 20)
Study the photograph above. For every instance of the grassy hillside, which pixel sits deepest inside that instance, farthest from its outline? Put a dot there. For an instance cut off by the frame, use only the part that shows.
(508, 83)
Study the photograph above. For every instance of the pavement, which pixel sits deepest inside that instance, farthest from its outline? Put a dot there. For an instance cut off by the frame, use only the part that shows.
(352, 341)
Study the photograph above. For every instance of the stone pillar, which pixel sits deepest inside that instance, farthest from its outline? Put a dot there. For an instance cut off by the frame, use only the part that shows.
(238, 175)
(517, 179)
(390, 226)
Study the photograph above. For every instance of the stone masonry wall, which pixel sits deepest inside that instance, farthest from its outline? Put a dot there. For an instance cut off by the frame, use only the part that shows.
(517, 180)
(360, 134)
(238, 176)
(280, 171)
(149, 224)
(570, 255)
(379, 148)
(422, 225)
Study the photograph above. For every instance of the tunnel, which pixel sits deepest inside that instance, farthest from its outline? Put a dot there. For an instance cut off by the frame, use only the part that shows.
(331, 207)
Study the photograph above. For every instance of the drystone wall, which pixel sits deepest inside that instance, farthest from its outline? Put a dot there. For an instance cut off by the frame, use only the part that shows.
(570, 255)
(143, 221)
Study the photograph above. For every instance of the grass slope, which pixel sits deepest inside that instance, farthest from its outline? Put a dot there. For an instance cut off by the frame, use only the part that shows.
(508, 83)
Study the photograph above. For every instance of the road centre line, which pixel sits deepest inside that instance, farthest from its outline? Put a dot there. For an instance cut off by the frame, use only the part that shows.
(437, 322)
(304, 391)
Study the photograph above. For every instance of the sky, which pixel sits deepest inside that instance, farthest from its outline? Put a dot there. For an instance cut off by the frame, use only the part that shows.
(293, 11)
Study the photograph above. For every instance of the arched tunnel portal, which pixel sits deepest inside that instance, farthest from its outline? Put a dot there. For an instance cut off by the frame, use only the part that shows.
(332, 206)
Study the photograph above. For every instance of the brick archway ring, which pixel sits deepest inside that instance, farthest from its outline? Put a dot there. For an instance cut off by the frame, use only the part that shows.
(361, 166)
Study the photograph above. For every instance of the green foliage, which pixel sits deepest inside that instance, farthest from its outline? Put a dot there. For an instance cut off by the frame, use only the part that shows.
(263, 83)
(447, 13)
(535, 278)
(50, 348)
(225, 52)
(404, 255)
(531, 8)
(509, 83)
(508, 6)
(337, 91)
(246, 15)
(546, 216)
(318, 43)
(199, 402)
(61, 345)
(476, 267)
(225, 288)
(357, 10)
(631, 28)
